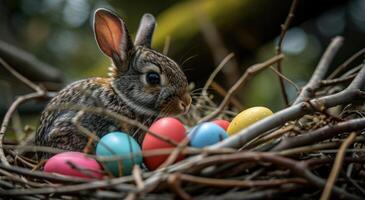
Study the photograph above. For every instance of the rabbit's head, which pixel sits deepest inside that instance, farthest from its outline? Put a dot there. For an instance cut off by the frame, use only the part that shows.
(147, 81)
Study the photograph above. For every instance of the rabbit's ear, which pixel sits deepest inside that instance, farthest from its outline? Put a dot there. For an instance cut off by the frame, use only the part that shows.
(112, 37)
(145, 31)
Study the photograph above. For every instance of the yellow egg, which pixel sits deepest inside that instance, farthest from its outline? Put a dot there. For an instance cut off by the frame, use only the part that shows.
(246, 118)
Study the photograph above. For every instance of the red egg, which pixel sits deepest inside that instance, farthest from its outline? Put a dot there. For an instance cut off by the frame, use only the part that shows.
(74, 164)
(168, 127)
(222, 123)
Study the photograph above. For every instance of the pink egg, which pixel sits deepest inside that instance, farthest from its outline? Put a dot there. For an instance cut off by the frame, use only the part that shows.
(74, 164)
(222, 123)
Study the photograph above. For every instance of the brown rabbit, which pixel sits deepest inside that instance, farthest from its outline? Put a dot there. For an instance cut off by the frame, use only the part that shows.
(142, 85)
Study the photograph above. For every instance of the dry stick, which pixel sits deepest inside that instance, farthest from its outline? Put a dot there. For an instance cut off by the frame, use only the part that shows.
(337, 80)
(14, 178)
(284, 29)
(20, 77)
(321, 134)
(7, 118)
(285, 78)
(337, 167)
(346, 63)
(215, 182)
(221, 91)
(175, 185)
(212, 76)
(43, 175)
(215, 72)
(276, 193)
(116, 182)
(269, 137)
(137, 174)
(243, 79)
(39, 92)
(307, 149)
(321, 70)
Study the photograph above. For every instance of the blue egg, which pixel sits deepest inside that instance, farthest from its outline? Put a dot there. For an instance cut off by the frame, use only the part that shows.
(119, 144)
(206, 134)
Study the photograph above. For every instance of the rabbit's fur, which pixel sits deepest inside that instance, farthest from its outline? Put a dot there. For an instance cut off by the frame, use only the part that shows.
(125, 92)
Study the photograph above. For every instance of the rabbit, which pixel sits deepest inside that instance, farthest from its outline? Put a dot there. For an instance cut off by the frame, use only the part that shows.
(143, 85)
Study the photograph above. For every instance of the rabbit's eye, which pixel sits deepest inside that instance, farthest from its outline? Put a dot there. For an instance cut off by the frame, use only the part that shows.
(153, 78)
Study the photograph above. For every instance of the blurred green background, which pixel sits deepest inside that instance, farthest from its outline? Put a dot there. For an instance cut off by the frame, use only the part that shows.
(200, 33)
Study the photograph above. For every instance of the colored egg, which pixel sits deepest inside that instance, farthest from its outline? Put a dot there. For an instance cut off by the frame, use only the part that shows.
(74, 164)
(119, 145)
(167, 127)
(246, 118)
(206, 134)
(222, 123)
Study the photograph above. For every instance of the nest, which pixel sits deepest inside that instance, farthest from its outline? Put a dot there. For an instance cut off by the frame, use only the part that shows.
(310, 149)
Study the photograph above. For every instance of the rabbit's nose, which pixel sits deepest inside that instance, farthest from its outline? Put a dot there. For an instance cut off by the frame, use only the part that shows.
(185, 102)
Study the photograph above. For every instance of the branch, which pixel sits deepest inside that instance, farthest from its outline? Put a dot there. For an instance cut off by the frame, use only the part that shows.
(320, 134)
(320, 72)
(215, 182)
(346, 63)
(43, 175)
(337, 167)
(39, 92)
(29, 65)
(7, 118)
(284, 30)
(116, 182)
(243, 79)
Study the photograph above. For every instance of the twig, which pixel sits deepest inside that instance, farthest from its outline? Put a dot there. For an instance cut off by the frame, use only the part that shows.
(320, 72)
(215, 72)
(214, 182)
(337, 80)
(175, 185)
(20, 77)
(43, 175)
(29, 64)
(284, 29)
(269, 137)
(286, 79)
(220, 90)
(137, 174)
(276, 193)
(243, 79)
(337, 167)
(39, 92)
(7, 118)
(346, 63)
(119, 182)
(321, 134)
